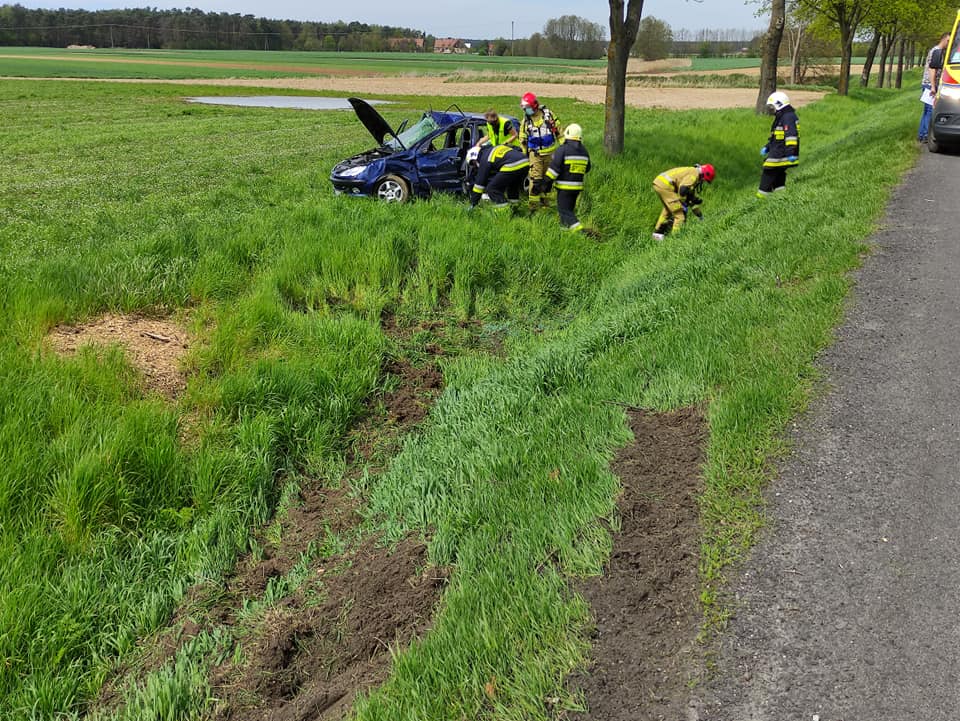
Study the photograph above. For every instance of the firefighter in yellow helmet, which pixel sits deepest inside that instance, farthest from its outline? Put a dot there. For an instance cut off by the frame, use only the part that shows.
(678, 190)
(539, 136)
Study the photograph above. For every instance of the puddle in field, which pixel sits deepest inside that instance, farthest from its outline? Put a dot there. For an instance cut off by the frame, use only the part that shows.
(297, 102)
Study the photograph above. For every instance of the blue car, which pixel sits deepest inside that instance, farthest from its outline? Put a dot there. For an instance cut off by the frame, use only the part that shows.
(415, 161)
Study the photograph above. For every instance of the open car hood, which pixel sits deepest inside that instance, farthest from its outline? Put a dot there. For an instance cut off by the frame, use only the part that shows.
(372, 120)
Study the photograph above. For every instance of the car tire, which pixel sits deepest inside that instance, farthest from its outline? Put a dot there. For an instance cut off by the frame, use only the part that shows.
(932, 145)
(392, 189)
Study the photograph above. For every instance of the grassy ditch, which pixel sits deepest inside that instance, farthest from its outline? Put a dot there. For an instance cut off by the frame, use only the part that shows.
(123, 198)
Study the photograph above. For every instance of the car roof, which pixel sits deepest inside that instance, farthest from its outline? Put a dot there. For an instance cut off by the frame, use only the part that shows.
(448, 117)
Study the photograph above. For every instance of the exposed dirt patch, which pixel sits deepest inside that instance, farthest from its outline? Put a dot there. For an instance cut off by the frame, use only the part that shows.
(646, 604)
(155, 346)
(410, 401)
(636, 97)
(309, 659)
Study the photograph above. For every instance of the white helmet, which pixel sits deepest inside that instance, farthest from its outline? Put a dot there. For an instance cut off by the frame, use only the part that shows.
(473, 155)
(778, 100)
(573, 132)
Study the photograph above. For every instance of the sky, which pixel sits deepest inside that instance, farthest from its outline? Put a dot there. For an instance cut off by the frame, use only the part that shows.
(443, 18)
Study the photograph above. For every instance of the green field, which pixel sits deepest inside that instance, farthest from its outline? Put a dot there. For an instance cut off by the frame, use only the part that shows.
(174, 64)
(713, 64)
(115, 501)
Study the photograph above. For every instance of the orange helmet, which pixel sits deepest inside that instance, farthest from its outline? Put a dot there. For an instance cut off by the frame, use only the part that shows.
(529, 100)
(707, 172)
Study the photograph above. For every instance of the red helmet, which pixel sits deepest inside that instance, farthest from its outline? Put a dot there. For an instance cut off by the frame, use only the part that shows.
(529, 100)
(707, 172)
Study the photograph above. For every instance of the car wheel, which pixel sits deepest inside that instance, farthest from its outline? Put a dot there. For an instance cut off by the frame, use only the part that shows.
(393, 189)
(932, 145)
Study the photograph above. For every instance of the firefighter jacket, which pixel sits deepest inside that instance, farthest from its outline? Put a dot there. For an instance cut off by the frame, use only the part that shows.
(685, 182)
(570, 163)
(784, 140)
(499, 133)
(499, 159)
(540, 132)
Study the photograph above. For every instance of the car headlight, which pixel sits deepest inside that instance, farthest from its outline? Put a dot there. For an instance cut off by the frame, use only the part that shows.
(353, 172)
(950, 91)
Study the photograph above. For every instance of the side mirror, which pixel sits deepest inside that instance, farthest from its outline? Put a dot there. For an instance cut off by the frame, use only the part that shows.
(936, 59)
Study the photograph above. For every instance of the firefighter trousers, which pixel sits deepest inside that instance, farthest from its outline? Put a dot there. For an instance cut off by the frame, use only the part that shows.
(539, 164)
(772, 180)
(567, 208)
(505, 187)
(672, 208)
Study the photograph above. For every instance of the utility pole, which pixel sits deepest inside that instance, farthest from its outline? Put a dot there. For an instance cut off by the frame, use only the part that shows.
(513, 41)
(111, 36)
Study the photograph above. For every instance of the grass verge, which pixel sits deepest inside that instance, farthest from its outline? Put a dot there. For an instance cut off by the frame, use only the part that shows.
(143, 203)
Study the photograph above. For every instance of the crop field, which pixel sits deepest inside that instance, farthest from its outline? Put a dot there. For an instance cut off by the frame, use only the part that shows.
(371, 403)
(172, 64)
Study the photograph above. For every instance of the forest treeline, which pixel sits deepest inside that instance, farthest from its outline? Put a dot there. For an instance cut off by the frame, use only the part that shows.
(195, 30)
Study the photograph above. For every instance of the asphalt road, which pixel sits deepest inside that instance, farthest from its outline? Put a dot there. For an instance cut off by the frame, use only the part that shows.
(849, 609)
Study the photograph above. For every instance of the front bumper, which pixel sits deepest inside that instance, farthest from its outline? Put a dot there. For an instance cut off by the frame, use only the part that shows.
(343, 186)
(945, 123)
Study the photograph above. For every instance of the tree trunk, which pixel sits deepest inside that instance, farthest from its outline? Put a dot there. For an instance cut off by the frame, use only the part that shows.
(884, 51)
(623, 34)
(893, 53)
(846, 55)
(903, 50)
(771, 53)
(868, 64)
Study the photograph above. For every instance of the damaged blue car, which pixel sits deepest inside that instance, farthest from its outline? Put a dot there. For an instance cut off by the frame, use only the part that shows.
(416, 161)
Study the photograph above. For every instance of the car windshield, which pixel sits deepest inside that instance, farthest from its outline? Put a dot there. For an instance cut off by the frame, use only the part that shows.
(414, 134)
(955, 55)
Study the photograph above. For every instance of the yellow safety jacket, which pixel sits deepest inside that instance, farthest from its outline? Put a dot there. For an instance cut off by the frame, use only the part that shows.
(501, 159)
(678, 178)
(500, 135)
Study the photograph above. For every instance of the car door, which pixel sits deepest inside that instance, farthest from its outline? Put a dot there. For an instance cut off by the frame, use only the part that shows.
(440, 158)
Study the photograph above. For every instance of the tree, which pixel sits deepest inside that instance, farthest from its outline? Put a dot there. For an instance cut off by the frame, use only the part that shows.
(623, 34)
(848, 16)
(654, 39)
(770, 53)
(572, 36)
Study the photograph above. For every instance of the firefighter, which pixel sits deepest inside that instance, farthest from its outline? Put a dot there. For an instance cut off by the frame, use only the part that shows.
(678, 190)
(499, 172)
(782, 150)
(570, 164)
(499, 131)
(539, 136)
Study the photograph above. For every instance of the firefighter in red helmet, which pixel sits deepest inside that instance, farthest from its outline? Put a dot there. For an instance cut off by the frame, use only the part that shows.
(679, 190)
(540, 137)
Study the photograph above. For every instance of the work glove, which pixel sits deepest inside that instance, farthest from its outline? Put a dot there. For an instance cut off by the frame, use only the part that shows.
(547, 185)
(695, 200)
(792, 159)
(763, 151)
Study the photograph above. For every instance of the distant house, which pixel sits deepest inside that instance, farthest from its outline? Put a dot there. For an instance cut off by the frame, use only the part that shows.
(449, 46)
(81, 47)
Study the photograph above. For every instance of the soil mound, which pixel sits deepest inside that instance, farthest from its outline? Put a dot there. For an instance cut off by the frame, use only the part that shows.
(310, 659)
(155, 346)
(646, 605)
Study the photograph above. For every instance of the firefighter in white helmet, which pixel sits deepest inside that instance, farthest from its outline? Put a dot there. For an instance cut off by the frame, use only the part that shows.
(568, 168)
(782, 150)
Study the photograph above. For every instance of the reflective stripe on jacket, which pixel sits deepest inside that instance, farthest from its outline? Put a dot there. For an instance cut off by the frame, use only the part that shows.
(677, 178)
(501, 134)
(539, 132)
(784, 140)
(498, 159)
(570, 163)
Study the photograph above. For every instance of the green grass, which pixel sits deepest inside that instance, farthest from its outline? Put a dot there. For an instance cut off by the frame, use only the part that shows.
(124, 198)
(703, 64)
(174, 64)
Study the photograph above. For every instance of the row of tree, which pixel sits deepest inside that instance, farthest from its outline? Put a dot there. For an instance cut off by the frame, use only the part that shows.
(194, 29)
(898, 30)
